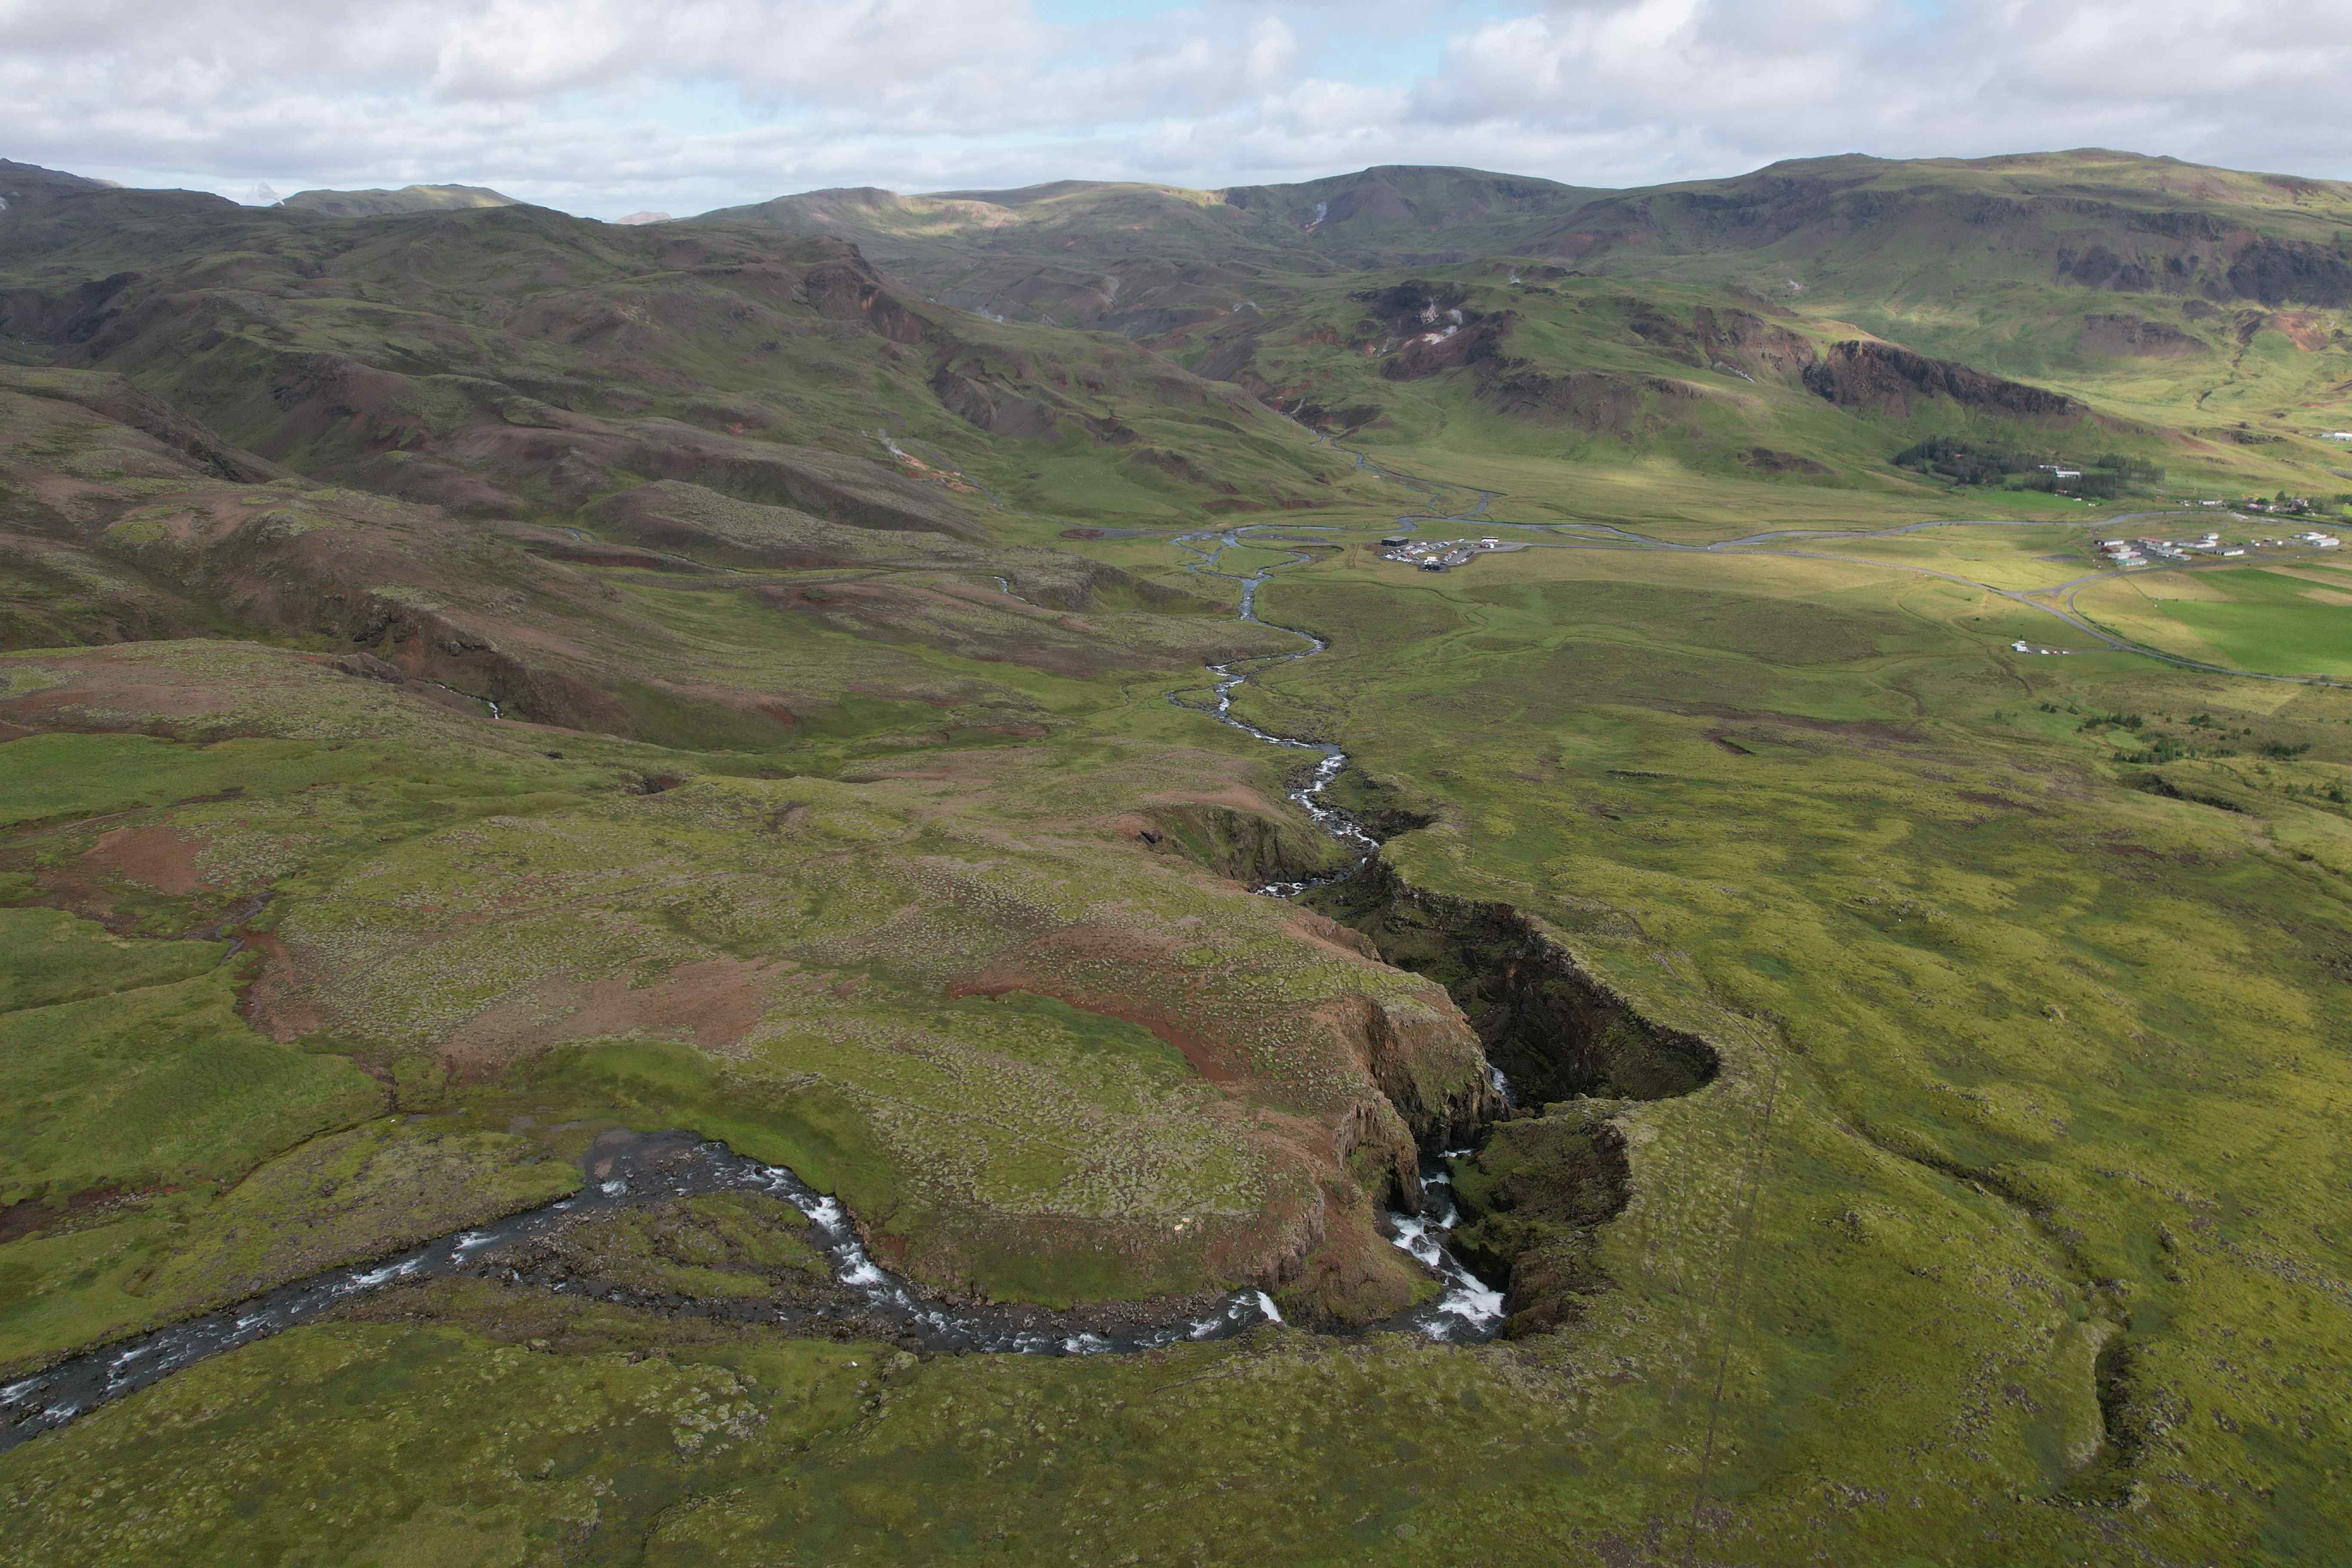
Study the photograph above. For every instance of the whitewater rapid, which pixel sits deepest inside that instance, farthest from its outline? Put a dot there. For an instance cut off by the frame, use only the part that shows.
(1469, 1308)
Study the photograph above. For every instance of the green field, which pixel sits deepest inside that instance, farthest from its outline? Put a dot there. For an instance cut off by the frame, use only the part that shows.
(2247, 617)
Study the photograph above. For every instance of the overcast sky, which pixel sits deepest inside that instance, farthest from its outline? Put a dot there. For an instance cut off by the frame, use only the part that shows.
(605, 107)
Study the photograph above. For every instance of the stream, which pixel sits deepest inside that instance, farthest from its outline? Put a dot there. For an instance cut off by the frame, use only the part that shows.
(626, 1169)
(1469, 1310)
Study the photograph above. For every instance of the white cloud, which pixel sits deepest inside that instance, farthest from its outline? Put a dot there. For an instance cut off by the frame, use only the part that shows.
(1821, 76)
(608, 105)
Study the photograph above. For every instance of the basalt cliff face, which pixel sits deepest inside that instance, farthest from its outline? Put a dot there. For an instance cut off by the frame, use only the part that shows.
(1540, 1179)
(1884, 378)
(1554, 1028)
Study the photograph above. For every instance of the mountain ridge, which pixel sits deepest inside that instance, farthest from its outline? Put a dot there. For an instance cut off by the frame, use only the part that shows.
(406, 199)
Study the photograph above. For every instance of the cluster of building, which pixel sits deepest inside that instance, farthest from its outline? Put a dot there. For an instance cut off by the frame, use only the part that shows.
(2137, 552)
(2140, 551)
(2292, 505)
(1437, 554)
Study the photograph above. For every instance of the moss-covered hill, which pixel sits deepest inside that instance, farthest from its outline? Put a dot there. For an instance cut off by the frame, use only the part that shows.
(2206, 304)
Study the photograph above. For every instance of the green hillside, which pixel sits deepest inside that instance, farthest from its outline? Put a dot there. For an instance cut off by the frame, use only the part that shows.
(2095, 219)
(1851, 987)
(2208, 302)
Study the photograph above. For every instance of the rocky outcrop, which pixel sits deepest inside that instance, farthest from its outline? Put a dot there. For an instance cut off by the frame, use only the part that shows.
(1882, 378)
(1242, 845)
(993, 408)
(1479, 343)
(2279, 271)
(1431, 1067)
(2097, 266)
(2135, 337)
(1716, 339)
(1558, 1031)
(850, 291)
(1599, 403)
(1538, 1193)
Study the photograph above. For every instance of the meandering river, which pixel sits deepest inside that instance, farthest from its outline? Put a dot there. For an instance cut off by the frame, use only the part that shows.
(629, 1169)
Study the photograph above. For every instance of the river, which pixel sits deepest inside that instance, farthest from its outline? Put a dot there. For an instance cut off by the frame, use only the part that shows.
(1469, 1308)
(627, 1169)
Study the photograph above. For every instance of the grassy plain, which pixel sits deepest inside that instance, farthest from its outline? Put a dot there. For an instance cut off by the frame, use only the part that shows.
(1986, 995)
(2251, 618)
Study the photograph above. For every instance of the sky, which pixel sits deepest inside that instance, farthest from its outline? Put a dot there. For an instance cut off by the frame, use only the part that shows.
(610, 107)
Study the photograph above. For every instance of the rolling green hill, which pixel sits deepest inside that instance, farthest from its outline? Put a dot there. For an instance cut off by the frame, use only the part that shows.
(2210, 303)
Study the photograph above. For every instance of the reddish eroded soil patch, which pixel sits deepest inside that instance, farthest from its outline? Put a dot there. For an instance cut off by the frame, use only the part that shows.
(106, 694)
(274, 1002)
(2307, 330)
(1329, 935)
(164, 859)
(1728, 744)
(161, 859)
(711, 1004)
(1235, 798)
(1043, 967)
